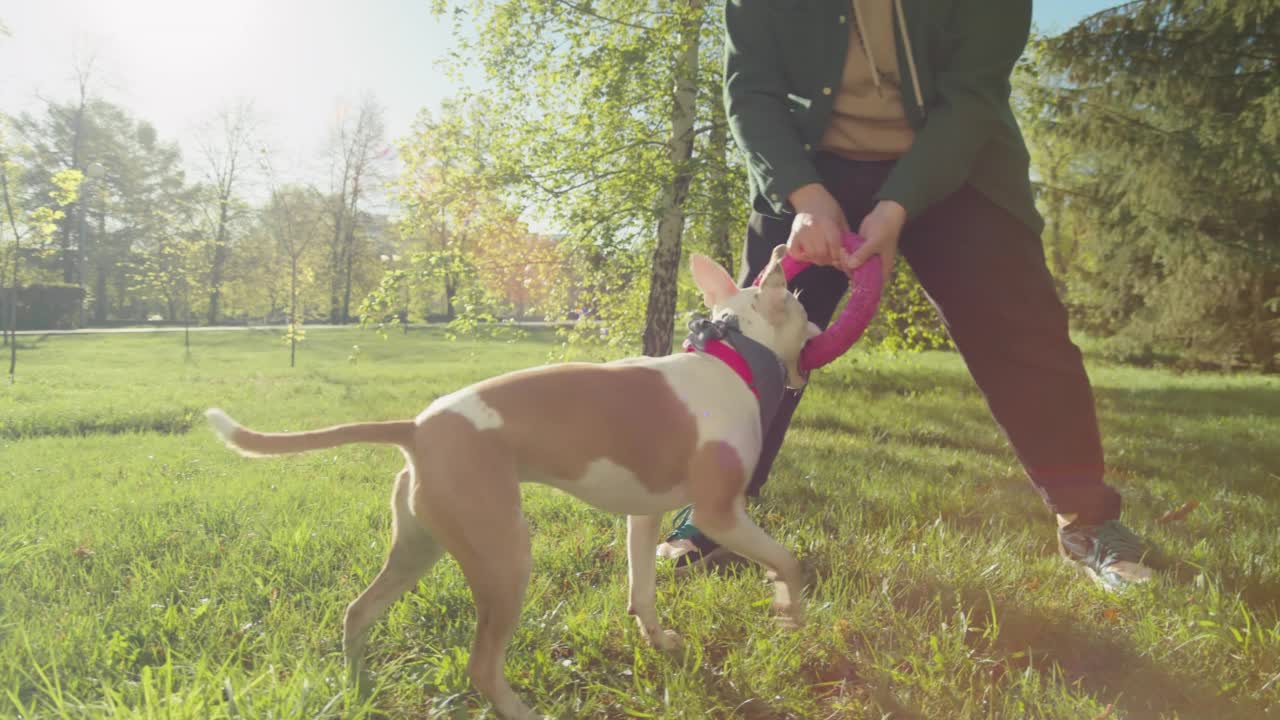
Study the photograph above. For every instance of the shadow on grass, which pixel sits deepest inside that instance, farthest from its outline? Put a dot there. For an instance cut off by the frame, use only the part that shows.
(924, 437)
(1194, 403)
(903, 381)
(24, 346)
(1061, 650)
(1168, 433)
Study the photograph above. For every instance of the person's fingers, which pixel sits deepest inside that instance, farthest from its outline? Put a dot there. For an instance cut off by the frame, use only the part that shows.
(817, 244)
(838, 221)
(801, 247)
(859, 256)
(843, 254)
(834, 241)
(819, 240)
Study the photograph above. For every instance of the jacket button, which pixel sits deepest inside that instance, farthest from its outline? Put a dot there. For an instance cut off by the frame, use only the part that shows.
(843, 19)
(807, 147)
(826, 91)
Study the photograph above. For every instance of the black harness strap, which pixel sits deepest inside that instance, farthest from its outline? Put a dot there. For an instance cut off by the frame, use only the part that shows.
(766, 368)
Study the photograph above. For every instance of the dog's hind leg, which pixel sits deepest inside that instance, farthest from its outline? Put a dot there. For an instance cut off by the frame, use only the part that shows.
(470, 498)
(498, 582)
(413, 552)
(642, 532)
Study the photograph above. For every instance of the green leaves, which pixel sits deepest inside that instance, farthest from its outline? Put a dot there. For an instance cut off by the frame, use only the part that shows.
(1154, 132)
(576, 112)
(66, 186)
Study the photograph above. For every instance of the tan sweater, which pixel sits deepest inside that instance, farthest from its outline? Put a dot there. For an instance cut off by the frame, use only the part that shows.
(868, 122)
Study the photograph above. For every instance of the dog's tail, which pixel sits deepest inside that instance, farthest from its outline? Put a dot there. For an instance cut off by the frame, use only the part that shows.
(257, 444)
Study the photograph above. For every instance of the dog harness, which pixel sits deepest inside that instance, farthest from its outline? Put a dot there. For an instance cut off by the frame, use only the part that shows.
(755, 363)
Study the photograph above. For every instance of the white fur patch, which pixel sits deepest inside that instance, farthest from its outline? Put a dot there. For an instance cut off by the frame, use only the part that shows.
(613, 488)
(227, 430)
(468, 404)
(222, 423)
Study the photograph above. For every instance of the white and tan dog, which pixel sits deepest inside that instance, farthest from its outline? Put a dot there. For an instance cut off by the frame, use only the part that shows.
(637, 437)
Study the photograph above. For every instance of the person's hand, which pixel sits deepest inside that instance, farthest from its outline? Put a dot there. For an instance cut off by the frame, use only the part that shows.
(817, 232)
(880, 230)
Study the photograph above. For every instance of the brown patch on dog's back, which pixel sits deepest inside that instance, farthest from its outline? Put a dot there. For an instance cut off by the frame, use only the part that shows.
(561, 418)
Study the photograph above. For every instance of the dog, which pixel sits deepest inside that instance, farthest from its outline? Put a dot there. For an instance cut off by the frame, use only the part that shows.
(639, 437)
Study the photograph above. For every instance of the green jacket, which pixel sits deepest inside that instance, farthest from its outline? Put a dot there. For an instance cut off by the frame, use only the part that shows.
(783, 63)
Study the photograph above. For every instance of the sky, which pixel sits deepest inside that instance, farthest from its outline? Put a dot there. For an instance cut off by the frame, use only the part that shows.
(174, 63)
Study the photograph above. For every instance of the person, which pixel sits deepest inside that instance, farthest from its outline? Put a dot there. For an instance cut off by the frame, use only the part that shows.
(896, 115)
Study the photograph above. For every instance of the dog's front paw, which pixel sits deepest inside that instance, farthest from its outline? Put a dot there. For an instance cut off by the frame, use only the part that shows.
(790, 616)
(668, 641)
(788, 608)
(665, 640)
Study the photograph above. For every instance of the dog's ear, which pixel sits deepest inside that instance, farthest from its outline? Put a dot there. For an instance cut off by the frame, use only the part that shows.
(773, 287)
(774, 277)
(712, 279)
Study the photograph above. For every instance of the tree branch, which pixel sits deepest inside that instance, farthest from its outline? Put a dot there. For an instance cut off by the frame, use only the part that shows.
(598, 16)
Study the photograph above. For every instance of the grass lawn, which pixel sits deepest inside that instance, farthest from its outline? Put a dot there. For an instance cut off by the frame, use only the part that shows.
(146, 571)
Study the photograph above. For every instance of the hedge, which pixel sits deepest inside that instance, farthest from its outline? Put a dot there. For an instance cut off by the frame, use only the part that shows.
(44, 307)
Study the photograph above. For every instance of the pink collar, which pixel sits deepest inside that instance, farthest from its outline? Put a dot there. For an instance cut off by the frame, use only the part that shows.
(731, 357)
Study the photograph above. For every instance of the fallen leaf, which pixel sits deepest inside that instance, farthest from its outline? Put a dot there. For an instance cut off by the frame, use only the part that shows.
(82, 552)
(1111, 614)
(1180, 513)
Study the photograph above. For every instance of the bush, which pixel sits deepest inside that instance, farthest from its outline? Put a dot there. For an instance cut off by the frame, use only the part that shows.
(44, 307)
(906, 321)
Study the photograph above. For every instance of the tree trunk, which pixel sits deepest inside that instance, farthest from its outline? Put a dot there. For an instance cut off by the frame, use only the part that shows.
(718, 146)
(13, 323)
(293, 309)
(450, 291)
(660, 313)
(136, 309)
(100, 274)
(219, 250)
(1061, 261)
(335, 257)
(224, 161)
(350, 245)
(346, 283)
(186, 324)
(69, 257)
(17, 259)
(1263, 333)
(100, 294)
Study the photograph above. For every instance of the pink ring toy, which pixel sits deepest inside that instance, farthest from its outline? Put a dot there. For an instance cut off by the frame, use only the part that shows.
(865, 285)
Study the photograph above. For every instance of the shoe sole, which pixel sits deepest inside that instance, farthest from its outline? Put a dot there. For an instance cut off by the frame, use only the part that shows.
(1093, 575)
(716, 558)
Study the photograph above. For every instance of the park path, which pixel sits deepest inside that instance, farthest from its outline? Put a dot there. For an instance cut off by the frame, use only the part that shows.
(221, 328)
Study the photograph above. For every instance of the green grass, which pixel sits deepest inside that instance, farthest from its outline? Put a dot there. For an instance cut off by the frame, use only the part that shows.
(146, 571)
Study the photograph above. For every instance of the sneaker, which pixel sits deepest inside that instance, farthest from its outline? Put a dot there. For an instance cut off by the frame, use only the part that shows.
(687, 546)
(1111, 553)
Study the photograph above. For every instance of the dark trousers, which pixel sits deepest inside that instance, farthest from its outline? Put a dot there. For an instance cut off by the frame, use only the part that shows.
(985, 273)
